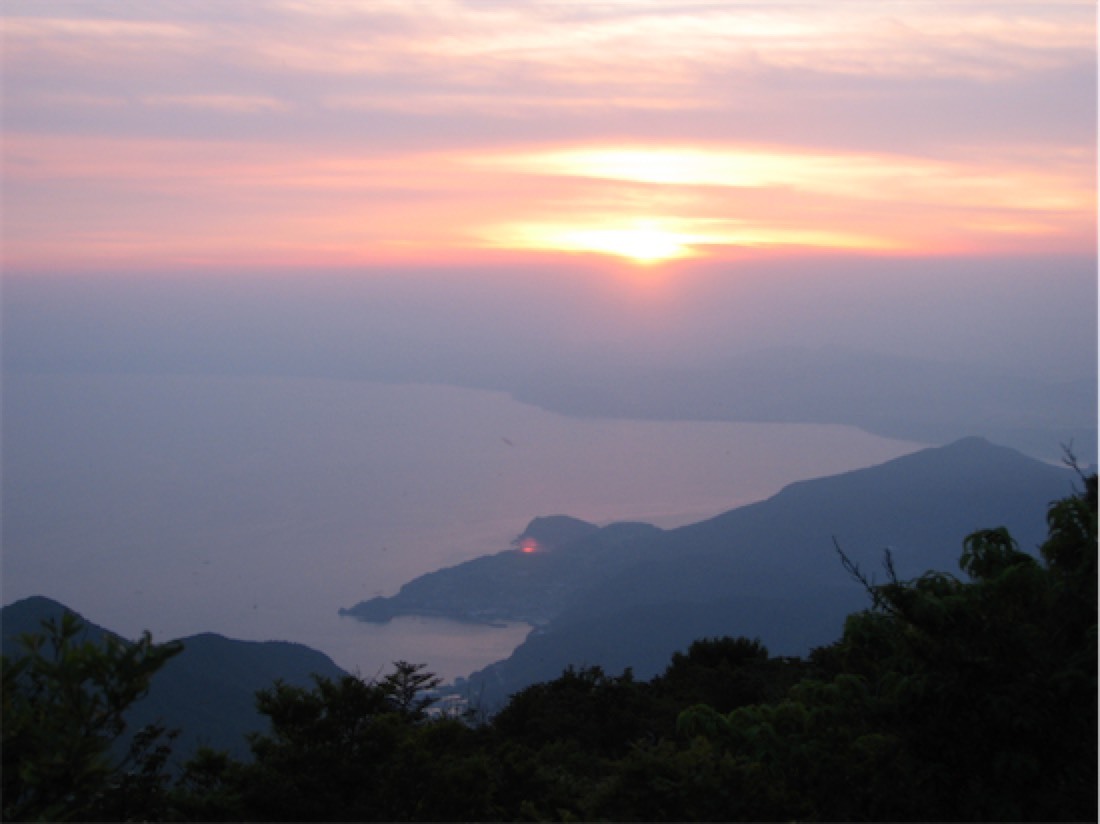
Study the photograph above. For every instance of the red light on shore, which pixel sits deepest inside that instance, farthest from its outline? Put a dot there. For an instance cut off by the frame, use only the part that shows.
(529, 545)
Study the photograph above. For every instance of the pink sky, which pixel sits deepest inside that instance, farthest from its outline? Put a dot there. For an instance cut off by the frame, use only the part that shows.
(144, 135)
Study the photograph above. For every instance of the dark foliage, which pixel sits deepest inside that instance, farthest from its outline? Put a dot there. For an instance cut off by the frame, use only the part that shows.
(599, 713)
(64, 702)
(727, 673)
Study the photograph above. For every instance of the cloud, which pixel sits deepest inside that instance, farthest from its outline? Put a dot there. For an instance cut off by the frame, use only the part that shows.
(238, 103)
(516, 104)
(22, 29)
(964, 197)
(343, 128)
(656, 240)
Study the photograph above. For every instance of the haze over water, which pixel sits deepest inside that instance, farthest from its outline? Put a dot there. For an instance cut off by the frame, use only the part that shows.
(257, 507)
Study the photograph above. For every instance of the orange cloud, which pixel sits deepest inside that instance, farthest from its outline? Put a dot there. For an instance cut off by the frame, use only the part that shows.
(641, 129)
(807, 199)
(190, 200)
(863, 176)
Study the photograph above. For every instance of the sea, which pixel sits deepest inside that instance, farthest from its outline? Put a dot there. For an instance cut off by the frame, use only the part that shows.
(257, 507)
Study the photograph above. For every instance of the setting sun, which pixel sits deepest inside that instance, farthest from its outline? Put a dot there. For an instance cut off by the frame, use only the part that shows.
(642, 244)
(645, 242)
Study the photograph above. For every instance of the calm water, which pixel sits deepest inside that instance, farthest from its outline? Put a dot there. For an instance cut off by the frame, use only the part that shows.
(257, 507)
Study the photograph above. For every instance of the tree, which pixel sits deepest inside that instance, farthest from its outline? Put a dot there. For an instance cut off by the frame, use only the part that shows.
(602, 714)
(64, 705)
(726, 673)
(963, 699)
(322, 757)
(209, 788)
(355, 750)
(408, 688)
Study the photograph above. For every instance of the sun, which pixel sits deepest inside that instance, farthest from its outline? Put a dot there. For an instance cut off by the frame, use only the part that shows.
(642, 245)
(643, 242)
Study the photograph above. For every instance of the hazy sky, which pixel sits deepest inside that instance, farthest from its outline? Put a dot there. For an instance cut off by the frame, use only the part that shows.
(546, 197)
(496, 194)
(148, 136)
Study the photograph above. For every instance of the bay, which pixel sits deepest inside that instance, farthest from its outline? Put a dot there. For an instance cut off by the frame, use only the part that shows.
(257, 507)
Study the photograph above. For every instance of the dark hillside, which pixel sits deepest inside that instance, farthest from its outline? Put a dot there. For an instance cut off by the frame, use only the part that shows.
(208, 691)
(555, 561)
(770, 570)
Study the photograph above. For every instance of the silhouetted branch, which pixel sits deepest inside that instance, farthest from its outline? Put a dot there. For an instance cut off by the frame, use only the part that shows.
(1069, 458)
(888, 565)
(873, 589)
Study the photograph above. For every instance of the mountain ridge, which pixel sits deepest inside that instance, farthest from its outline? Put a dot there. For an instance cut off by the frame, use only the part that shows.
(207, 691)
(770, 570)
(536, 586)
(888, 395)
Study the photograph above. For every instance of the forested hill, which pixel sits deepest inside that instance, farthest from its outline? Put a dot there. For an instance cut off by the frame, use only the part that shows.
(771, 570)
(208, 691)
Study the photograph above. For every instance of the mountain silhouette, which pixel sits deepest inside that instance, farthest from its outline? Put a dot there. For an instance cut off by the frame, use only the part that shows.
(896, 397)
(771, 570)
(208, 691)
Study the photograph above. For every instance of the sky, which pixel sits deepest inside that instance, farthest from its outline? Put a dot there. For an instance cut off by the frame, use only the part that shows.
(214, 137)
(217, 214)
